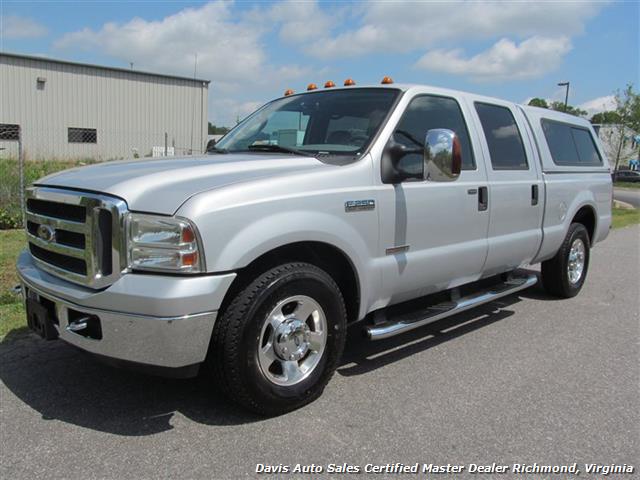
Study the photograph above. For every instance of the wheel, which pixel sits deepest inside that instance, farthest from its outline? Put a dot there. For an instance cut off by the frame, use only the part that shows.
(564, 274)
(279, 340)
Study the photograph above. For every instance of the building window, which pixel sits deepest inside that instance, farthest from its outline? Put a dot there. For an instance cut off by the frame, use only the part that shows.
(82, 135)
(9, 132)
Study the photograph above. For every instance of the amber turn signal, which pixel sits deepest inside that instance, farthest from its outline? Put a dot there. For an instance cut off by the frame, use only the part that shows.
(386, 80)
(349, 82)
(329, 84)
(312, 86)
(288, 92)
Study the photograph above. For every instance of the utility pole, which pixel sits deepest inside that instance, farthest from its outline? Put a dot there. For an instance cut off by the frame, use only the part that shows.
(566, 95)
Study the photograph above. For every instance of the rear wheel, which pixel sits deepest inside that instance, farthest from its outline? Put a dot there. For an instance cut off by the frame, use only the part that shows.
(277, 344)
(564, 274)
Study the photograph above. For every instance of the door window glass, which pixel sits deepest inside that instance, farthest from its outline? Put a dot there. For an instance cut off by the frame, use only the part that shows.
(503, 137)
(427, 112)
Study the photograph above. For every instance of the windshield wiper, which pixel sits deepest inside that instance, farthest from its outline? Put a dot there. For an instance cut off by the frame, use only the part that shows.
(278, 148)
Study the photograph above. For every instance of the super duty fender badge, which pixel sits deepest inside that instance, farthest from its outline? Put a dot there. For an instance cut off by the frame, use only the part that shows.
(359, 205)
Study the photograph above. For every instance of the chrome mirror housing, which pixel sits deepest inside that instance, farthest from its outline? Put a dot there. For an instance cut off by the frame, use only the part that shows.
(442, 156)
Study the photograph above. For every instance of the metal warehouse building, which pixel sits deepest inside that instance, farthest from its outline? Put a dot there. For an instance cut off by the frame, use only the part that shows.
(68, 110)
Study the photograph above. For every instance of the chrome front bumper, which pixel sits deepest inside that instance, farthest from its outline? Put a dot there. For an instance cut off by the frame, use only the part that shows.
(164, 322)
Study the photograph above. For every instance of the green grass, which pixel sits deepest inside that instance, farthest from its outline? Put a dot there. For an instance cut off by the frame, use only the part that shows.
(623, 217)
(627, 185)
(10, 216)
(12, 316)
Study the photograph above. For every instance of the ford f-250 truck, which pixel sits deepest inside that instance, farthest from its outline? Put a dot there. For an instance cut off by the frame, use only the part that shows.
(391, 205)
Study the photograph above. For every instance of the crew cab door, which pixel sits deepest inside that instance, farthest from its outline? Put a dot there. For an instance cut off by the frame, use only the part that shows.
(433, 235)
(516, 199)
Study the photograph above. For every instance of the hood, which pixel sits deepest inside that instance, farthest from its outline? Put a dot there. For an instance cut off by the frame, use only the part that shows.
(162, 185)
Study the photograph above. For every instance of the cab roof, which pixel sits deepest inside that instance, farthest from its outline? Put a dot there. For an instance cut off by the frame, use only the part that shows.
(407, 87)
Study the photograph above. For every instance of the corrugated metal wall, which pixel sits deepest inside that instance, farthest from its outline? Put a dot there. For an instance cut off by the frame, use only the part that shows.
(131, 111)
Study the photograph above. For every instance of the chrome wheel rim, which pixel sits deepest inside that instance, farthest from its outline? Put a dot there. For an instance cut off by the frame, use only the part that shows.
(292, 340)
(575, 265)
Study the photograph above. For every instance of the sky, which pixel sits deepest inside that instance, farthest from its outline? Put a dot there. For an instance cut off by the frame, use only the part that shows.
(253, 51)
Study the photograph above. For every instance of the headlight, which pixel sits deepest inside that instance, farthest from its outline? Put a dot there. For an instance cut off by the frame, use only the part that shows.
(165, 244)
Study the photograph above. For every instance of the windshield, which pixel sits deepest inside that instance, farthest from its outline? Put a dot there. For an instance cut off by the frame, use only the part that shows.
(337, 122)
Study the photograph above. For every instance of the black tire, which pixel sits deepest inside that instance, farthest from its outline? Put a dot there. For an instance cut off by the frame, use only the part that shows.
(233, 352)
(555, 276)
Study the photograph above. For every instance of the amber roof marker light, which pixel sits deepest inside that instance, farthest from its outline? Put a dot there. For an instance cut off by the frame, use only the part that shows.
(312, 86)
(329, 84)
(349, 82)
(288, 92)
(386, 80)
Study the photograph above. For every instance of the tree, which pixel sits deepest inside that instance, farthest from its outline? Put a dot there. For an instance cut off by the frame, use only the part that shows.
(538, 102)
(571, 110)
(558, 106)
(213, 130)
(628, 111)
(608, 117)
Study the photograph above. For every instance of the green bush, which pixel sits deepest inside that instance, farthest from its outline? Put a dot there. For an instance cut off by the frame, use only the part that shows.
(10, 215)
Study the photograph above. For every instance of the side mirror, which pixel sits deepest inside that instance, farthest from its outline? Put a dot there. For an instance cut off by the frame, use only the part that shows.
(442, 156)
(392, 170)
(210, 145)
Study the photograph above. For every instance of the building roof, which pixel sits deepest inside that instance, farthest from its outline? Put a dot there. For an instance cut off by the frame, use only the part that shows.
(101, 67)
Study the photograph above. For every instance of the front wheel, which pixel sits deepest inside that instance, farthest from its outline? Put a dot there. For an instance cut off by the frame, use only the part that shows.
(564, 275)
(277, 344)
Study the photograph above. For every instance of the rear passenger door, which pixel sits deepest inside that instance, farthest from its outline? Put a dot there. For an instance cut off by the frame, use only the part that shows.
(515, 200)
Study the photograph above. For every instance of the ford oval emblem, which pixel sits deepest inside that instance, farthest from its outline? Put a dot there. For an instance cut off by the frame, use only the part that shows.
(46, 233)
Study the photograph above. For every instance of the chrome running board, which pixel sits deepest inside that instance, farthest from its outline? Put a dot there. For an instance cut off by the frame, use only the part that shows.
(409, 321)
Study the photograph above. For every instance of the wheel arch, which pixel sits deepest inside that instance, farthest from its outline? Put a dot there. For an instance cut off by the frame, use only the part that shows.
(586, 215)
(323, 255)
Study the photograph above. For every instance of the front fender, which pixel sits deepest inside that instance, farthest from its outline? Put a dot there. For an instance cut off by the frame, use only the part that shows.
(277, 230)
(238, 225)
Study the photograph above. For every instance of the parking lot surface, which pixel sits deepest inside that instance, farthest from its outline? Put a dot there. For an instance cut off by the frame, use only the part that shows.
(525, 379)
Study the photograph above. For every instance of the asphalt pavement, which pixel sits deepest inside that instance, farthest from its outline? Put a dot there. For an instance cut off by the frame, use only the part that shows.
(628, 195)
(525, 379)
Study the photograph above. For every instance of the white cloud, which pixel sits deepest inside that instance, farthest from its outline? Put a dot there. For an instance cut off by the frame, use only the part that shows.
(600, 104)
(230, 50)
(413, 26)
(505, 59)
(235, 51)
(16, 27)
(235, 109)
(299, 21)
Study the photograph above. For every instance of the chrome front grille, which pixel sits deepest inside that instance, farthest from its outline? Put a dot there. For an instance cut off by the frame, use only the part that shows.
(76, 235)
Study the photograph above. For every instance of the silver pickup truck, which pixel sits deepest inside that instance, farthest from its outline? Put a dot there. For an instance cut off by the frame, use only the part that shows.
(391, 206)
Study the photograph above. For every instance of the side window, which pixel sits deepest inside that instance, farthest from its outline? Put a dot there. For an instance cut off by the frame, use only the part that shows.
(569, 145)
(424, 113)
(560, 142)
(587, 153)
(503, 137)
